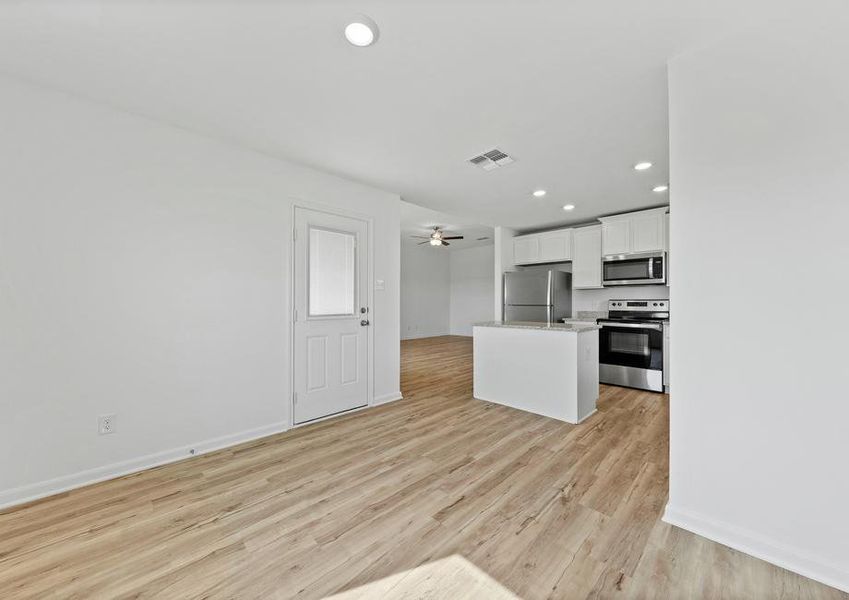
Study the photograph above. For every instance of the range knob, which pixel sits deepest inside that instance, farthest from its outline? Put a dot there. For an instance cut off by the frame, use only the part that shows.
(655, 304)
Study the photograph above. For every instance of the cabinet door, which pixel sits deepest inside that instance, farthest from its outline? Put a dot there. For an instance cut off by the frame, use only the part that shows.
(586, 257)
(525, 249)
(616, 237)
(666, 244)
(555, 246)
(647, 233)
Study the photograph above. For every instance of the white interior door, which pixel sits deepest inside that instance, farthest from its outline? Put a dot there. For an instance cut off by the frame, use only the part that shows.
(331, 317)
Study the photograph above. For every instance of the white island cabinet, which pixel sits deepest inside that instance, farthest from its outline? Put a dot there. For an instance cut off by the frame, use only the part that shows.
(550, 370)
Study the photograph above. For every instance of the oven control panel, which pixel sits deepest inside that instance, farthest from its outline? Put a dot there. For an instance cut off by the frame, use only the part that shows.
(638, 305)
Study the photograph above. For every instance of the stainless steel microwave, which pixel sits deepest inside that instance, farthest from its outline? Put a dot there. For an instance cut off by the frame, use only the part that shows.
(634, 269)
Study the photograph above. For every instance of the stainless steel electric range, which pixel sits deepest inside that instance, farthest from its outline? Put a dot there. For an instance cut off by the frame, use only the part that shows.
(632, 347)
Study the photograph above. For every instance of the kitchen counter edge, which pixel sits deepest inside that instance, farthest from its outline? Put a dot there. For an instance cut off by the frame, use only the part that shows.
(561, 327)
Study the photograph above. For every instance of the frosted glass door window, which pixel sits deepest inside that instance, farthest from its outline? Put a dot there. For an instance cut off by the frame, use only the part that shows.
(332, 272)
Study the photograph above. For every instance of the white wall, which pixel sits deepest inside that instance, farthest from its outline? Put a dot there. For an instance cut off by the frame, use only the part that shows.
(444, 291)
(760, 227)
(425, 291)
(472, 272)
(144, 271)
(503, 254)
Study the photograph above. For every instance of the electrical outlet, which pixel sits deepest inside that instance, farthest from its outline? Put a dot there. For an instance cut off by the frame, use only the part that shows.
(106, 424)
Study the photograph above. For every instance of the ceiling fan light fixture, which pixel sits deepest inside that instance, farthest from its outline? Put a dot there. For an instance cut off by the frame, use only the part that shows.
(437, 237)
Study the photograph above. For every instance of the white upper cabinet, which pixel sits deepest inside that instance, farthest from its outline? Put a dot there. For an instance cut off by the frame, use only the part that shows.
(647, 232)
(586, 257)
(631, 233)
(616, 236)
(666, 235)
(643, 231)
(525, 249)
(550, 246)
(555, 246)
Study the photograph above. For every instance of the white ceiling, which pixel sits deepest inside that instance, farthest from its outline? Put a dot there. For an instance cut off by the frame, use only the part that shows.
(417, 220)
(574, 90)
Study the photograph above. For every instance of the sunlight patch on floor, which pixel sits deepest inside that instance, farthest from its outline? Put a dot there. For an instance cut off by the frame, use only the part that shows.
(453, 578)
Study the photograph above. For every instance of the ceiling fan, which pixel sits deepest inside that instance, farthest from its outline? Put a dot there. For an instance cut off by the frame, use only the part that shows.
(437, 238)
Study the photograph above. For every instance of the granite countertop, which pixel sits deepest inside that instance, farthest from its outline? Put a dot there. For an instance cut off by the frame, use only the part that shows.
(590, 315)
(564, 327)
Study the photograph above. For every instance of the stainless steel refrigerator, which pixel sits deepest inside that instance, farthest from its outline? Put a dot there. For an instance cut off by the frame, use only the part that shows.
(540, 295)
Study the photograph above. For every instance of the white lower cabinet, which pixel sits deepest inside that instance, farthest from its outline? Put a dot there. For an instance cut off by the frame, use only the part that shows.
(586, 257)
(666, 371)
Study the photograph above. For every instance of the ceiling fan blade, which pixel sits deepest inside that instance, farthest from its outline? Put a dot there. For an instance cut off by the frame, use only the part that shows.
(421, 237)
(453, 237)
(444, 243)
(421, 243)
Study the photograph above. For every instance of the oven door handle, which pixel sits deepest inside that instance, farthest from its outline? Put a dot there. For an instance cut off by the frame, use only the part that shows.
(654, 326)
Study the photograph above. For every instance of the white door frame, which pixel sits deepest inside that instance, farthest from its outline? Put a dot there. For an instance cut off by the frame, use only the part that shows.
(369, 221)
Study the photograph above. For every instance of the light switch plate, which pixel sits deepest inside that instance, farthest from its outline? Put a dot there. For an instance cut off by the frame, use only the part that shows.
(379, 284)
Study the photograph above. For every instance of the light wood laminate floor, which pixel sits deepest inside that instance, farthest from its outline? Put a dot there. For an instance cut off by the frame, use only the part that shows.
(436, 494)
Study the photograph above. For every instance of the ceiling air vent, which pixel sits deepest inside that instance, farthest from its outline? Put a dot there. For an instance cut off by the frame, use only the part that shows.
(491, 160)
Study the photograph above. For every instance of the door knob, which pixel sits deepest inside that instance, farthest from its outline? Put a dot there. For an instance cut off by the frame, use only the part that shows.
(364, 323)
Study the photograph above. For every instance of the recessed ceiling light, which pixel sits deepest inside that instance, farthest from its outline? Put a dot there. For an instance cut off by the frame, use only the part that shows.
(660, 188)
(642, 166)
(361, 31)
(539, 193)
(568, 206)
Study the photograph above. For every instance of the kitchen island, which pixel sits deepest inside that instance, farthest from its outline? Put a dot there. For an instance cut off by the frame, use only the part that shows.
(547, 369)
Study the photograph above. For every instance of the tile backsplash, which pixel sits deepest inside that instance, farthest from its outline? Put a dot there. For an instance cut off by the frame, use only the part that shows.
(596, 300)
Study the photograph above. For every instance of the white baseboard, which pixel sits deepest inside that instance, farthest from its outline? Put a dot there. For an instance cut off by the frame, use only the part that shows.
(595, 410)
(42, 489)
(377, 401)
(386, 398)
(760, 547)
